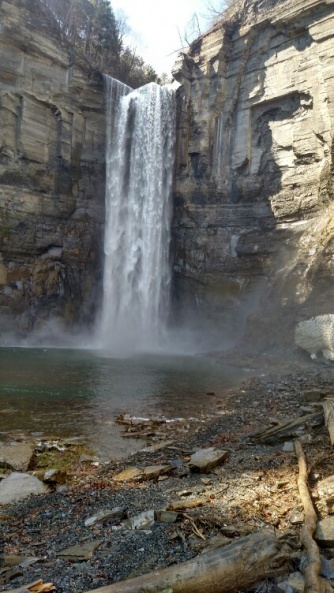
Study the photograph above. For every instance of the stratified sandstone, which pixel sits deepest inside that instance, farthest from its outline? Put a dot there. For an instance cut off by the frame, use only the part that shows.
(254, 187)
(52, 139)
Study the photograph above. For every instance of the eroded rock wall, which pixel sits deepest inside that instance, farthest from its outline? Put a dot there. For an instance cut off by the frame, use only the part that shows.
(52, 173)
(254, 175)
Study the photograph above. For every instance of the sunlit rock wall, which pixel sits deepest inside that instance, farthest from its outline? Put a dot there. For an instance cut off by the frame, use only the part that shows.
(52, 141)
(253, 226)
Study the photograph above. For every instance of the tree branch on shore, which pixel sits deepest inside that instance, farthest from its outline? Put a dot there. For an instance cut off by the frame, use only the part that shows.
(313, 583)
(232, 568)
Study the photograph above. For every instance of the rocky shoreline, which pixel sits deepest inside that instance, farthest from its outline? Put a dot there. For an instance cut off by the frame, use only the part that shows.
(106, 522)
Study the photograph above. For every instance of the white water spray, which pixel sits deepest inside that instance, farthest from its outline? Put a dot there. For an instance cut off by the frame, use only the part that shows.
(140, 148)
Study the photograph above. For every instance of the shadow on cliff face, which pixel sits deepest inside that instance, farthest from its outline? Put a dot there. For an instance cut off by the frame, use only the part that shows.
(228, 300)
(247, 182)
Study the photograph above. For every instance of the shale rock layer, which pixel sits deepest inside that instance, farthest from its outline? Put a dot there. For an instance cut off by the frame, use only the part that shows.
(253, 224)
(52, 139)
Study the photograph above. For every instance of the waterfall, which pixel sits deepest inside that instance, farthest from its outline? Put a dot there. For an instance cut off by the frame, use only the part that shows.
(139, 159)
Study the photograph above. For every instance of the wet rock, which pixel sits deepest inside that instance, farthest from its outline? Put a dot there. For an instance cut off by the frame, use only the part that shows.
(205, 460)
(16, 456)
(19, 486)
(324, 534)
(144, 520)
(81, 551)
(112, 515)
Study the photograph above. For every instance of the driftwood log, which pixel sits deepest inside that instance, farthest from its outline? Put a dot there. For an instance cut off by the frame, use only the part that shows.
(312, 570)
(328, 406)
(232, 568)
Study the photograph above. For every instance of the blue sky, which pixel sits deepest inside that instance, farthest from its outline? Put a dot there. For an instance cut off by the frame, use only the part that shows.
(155, 25)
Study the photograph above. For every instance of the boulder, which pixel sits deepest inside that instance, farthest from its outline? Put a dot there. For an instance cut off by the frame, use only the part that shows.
(19, 486)
(316, 336)
(16, 456)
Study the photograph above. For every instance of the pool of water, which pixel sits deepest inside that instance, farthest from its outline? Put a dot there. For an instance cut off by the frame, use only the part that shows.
(71, 393)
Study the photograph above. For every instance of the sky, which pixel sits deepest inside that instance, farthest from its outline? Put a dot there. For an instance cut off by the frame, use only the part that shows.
(155, 25)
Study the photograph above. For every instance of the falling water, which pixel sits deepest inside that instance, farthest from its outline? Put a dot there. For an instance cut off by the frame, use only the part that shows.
(139, 158)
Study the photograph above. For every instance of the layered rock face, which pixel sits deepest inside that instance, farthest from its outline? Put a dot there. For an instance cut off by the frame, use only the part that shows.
(52, 173)
(253, 225)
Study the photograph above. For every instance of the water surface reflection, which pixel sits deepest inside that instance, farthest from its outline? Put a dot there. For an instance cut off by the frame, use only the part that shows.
(79, 392)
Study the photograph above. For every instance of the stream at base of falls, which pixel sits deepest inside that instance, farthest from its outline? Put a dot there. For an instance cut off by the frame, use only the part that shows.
(78, 393)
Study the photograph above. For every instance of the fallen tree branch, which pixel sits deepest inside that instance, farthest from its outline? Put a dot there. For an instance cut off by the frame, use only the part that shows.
(289, 429)
(312, 570)
(195, 529)
(232, 568)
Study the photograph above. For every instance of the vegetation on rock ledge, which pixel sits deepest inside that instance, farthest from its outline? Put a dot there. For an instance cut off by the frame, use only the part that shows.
(93, 29)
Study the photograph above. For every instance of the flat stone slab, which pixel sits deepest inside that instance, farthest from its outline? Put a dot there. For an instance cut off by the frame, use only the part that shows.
(144, 521)
(16, 456)
(115, 514)
(19, 486)
(81, 551)
(324, 534)
(205, 460)
(150, 472)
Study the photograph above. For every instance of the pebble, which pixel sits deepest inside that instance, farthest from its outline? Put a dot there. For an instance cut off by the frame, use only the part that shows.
(296, 517)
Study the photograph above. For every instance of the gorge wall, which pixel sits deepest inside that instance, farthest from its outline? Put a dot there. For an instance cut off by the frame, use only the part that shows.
(253, 223)
(52, 173)
(254, 216)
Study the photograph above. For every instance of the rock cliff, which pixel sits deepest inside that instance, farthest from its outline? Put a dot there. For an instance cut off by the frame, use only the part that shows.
(52, 145)
(253, 225)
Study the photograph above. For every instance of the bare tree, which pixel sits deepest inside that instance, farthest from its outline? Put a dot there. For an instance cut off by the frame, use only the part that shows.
(93, 29)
